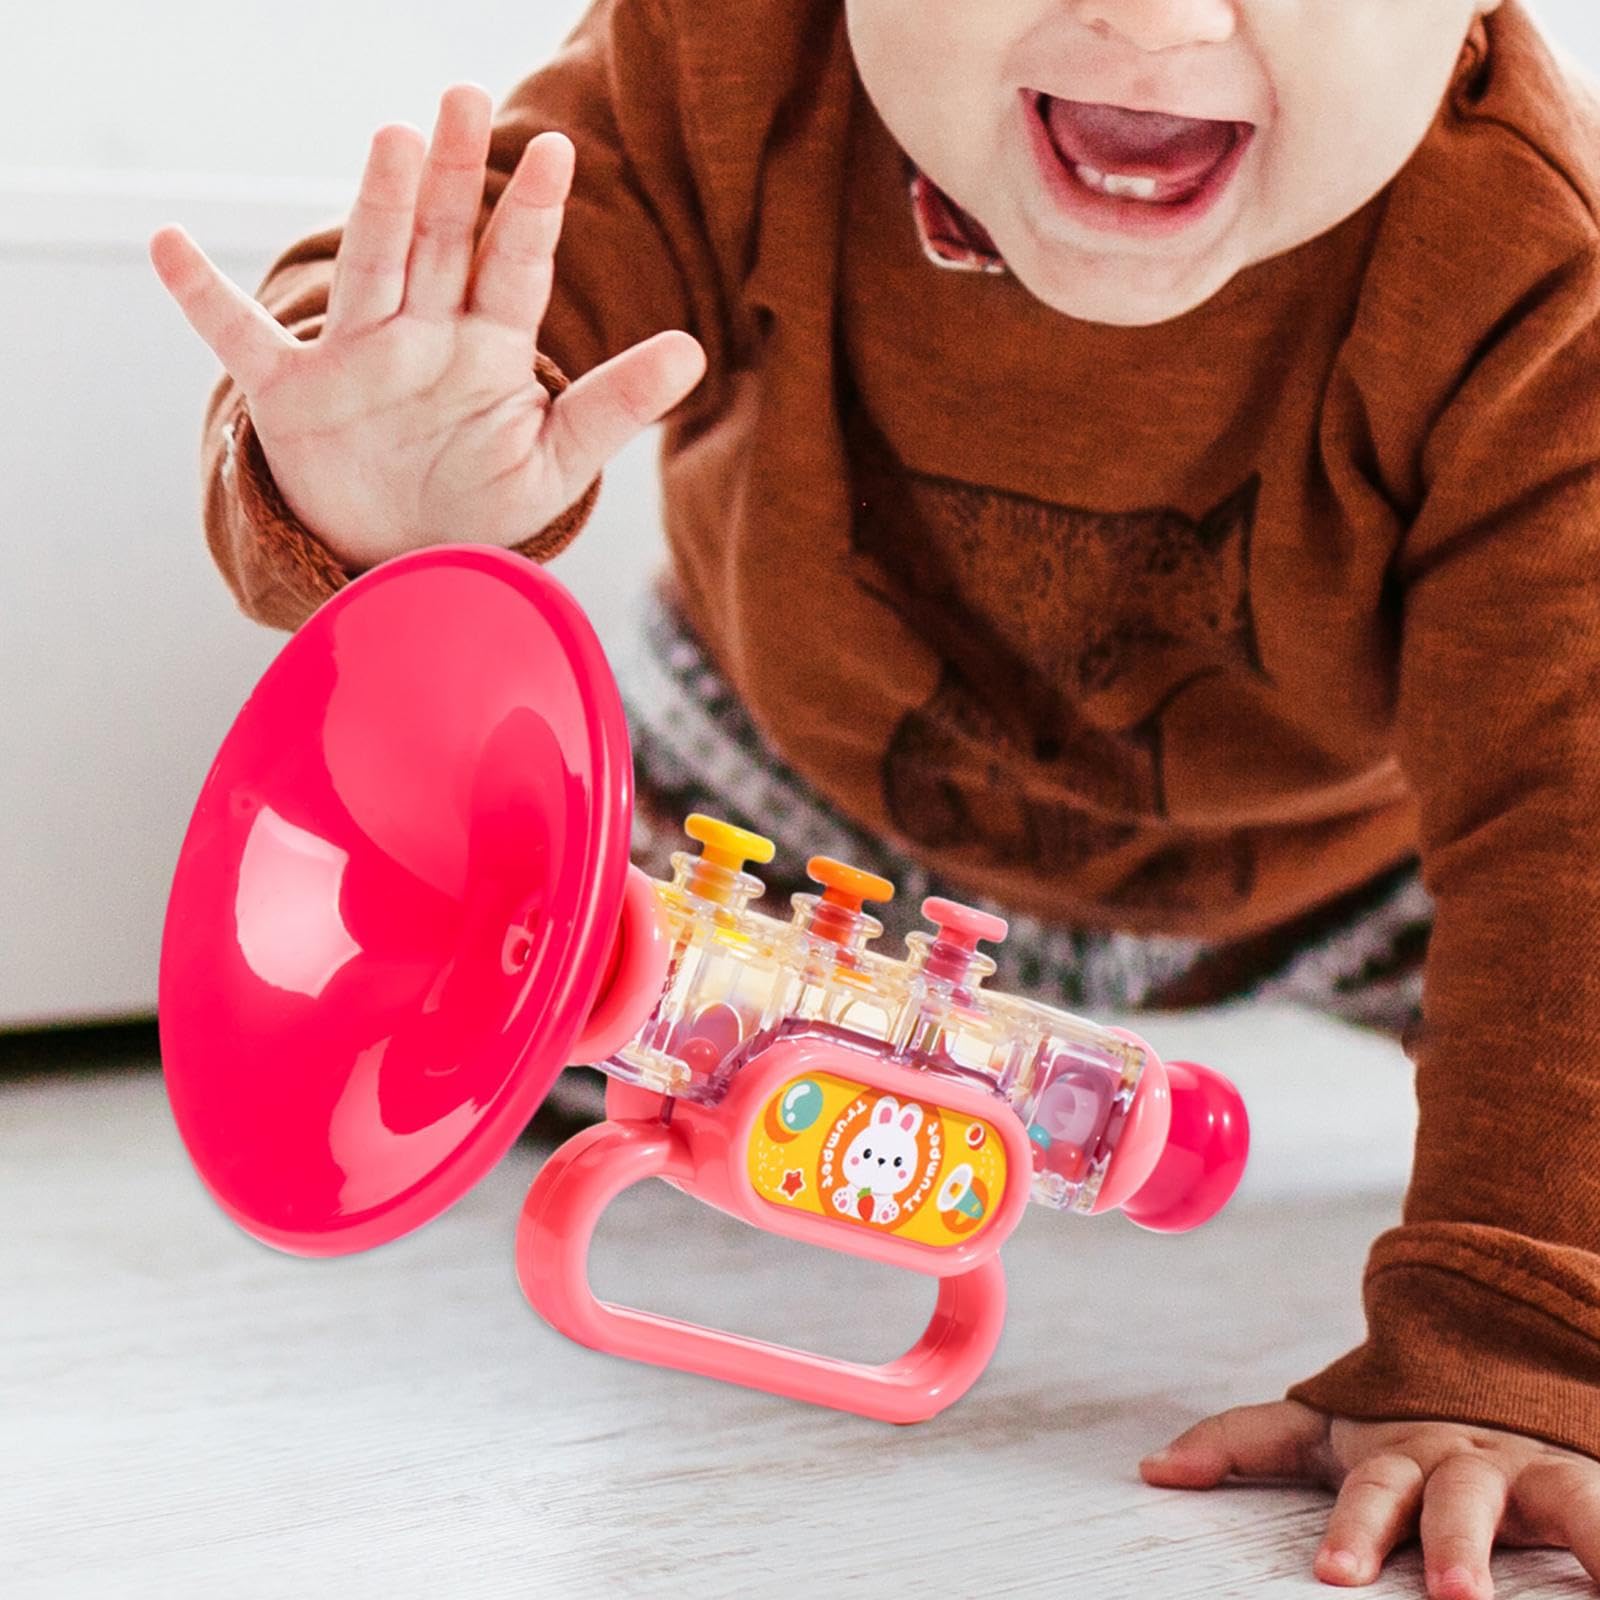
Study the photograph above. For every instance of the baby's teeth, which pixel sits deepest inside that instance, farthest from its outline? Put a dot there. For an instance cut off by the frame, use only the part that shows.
(1133, 188)
(1115, 183)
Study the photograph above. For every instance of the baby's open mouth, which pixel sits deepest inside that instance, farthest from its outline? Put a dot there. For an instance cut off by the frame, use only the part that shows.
(1152, 156)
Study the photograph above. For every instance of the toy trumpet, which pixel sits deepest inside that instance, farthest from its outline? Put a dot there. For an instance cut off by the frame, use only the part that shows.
(404, 903)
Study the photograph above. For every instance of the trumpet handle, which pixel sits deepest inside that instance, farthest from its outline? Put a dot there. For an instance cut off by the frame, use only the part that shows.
(558, 1221)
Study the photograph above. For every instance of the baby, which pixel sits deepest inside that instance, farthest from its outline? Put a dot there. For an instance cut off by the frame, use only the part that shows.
(1131, 463)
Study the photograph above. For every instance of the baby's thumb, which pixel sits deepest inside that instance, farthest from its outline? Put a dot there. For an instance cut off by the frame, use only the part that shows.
(604, 409)
(1277, 1440)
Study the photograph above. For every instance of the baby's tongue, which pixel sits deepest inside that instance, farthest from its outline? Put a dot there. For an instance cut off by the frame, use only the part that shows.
(1138, 143)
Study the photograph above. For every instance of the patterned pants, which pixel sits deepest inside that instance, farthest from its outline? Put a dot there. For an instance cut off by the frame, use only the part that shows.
(1358, 956)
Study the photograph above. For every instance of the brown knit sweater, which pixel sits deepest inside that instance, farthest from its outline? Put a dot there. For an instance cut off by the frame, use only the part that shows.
(1182, 628)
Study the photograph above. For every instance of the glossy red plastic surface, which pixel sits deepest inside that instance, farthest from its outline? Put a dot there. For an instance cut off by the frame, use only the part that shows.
(1204, 1159)
(635, 972)
(396, 899)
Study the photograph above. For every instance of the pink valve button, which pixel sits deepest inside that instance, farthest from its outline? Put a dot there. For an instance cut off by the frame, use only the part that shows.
(964, 926)
(953, 950)
(396, 900)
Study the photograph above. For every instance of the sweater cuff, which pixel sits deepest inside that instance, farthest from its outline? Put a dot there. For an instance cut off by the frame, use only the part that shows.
(305, 571)
(1477, 1325)
(552, 540)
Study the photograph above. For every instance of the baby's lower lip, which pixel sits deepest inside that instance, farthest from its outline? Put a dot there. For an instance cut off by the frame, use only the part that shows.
(1150, 219)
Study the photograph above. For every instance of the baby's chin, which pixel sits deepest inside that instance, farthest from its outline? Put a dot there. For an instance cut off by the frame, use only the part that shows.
(1118, 290)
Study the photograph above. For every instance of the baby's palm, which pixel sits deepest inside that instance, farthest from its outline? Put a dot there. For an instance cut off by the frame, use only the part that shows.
(414, 417)
(412, 433)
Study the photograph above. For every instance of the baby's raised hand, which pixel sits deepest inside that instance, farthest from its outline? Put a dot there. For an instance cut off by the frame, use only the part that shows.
(414, 417)
(1461, 1488)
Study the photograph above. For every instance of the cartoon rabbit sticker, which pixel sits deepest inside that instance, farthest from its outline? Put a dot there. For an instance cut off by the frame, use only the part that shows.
(880, 1163)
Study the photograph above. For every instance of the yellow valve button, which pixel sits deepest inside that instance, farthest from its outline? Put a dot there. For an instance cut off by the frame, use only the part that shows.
(845, 885)
(724, 845)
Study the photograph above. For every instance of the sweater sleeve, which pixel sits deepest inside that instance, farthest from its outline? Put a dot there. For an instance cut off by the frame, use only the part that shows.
(632, 262)
(1483, 1306)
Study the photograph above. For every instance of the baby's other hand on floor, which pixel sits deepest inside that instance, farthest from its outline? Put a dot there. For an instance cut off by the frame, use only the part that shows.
(1461, 1488)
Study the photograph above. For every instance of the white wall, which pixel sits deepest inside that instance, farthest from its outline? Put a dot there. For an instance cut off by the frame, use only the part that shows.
(261, 87)
(193, 86)
(122, 660)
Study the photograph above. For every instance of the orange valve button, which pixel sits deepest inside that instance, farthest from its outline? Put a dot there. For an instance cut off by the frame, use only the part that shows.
(846, 886)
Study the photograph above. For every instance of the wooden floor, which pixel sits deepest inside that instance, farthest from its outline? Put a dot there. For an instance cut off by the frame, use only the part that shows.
(185, 1413)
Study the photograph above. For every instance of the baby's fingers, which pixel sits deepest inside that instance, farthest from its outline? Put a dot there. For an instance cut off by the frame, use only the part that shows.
(1281, 1439)
(515, 269)
(1559, 1502)
(369, 273)
(1461, 1510)
(605, 408)
(1377, 1508)
(242, 333)
(449, 198)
